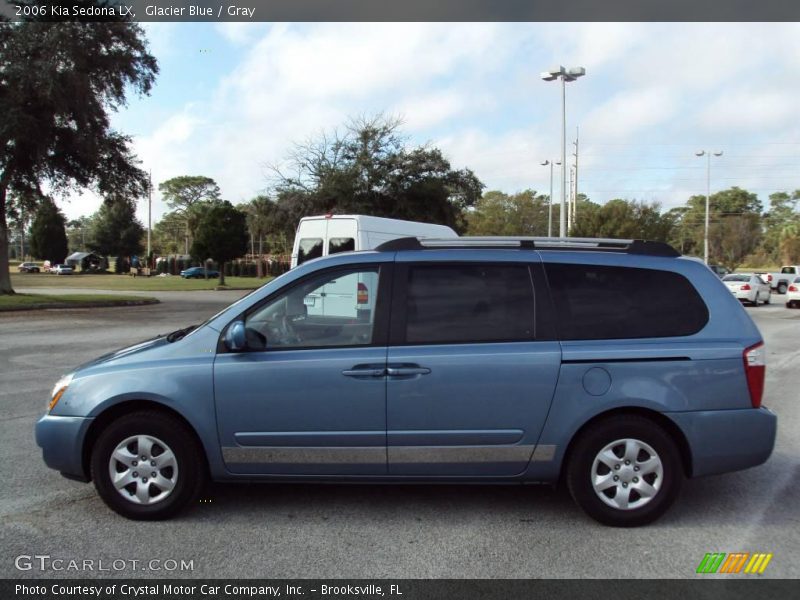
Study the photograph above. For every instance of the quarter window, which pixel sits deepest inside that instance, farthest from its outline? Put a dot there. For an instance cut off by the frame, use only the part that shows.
(598, 302)
(469, 303)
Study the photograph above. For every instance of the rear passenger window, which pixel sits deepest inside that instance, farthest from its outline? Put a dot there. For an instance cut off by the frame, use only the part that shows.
(469, 303)
(595, 302)
(309, 248)
(340, 244)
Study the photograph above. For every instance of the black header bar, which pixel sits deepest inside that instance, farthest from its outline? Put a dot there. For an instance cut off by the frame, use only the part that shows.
(406, 10)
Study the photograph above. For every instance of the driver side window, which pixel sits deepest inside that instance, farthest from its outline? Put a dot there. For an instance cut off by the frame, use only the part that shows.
(334, 309)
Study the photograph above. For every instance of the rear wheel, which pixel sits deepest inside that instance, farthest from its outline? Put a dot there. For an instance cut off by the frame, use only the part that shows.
(147, 465)
(624, 471)
(781, 288)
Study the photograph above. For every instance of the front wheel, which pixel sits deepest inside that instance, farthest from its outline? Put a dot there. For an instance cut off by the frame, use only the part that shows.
(624, 471)
(147, 465)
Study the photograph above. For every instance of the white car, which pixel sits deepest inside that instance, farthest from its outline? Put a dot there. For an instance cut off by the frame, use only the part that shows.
(61, 270)
(748, 287)
(793, 294)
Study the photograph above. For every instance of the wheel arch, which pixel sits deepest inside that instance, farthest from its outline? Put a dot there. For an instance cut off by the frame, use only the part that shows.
(658, 418)
(120, 409)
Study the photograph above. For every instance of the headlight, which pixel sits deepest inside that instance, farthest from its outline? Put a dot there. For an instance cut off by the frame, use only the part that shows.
(58, 390)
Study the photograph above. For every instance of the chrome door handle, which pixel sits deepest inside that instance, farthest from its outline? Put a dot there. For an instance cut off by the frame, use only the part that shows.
(370, 372)
(395, 371)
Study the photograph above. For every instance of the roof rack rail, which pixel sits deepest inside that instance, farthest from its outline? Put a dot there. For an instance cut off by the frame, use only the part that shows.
(643, 247)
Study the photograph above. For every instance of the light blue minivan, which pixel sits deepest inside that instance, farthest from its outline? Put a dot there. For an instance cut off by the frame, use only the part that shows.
(615, 366)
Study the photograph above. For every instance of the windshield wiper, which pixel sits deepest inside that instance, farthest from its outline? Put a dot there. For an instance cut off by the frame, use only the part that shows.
(180, 333)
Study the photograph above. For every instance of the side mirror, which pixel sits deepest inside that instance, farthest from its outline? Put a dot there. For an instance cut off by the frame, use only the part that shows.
(235, 337)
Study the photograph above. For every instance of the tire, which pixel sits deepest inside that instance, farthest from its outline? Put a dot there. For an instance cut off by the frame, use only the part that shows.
(781, 288)
(178, 480)
(610, 438)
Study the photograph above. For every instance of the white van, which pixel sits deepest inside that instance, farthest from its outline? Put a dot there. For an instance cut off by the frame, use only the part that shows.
(331, 234)
(350, 296)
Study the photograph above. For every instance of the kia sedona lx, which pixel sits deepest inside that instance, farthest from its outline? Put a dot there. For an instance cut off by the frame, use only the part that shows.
(616, 366)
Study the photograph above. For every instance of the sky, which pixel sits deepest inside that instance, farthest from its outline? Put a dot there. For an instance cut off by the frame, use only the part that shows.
(231, 99)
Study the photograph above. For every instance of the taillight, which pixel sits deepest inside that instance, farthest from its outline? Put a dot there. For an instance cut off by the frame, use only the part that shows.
(792, 288)
(745, 287)
(362, 295)
(755, 366)
(769, 277)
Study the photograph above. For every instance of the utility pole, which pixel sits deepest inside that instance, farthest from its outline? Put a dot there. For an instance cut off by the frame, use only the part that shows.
(569, 199)
(575, 196)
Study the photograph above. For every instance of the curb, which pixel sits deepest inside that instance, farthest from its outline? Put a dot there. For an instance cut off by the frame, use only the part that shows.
(63, 305)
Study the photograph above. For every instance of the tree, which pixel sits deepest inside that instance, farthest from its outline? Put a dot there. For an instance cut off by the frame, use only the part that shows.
(221, 236)
(733, 238)
(79, 233)
(186, 195)
(497, 213)
(182, 192)
(778, 224)
(626, 219)
(58, 83)
(261, 212)
(48, 233)
(734, 211)
(20, 209)
(369, 170)
(115, 229)
(168, 233)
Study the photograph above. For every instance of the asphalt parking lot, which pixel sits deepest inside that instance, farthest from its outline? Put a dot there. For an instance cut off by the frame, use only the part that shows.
(327, 531)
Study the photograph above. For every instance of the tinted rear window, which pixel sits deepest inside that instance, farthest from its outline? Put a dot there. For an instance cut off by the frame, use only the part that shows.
(309, 248)
(341, 244)
(596, 302)
(736, 278)
(787, 271)
(469, 303)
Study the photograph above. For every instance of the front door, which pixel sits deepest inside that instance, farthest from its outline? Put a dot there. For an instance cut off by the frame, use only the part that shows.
(468, 383)
(309, 394)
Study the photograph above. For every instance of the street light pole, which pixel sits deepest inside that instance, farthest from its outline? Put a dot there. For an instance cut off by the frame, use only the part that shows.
(707, 154)
(565, 75)
(544, 163)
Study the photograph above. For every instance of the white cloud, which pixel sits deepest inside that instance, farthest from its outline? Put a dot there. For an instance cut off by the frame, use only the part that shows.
(653, 93)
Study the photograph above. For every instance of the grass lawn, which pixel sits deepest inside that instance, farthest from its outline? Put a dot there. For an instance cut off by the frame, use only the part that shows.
(128, 283)
(34, 301)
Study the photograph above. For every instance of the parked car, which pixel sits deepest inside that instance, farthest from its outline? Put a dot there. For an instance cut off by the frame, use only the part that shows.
(28, 267)
(61, 270)
(199, 273)
(615, 364)
(780, 281)
(793, 294)
(748, 287)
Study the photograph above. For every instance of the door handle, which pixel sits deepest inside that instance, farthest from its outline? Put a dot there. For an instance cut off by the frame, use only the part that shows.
(407, 370)
(361, 371)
